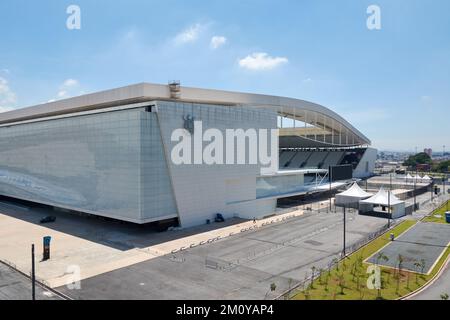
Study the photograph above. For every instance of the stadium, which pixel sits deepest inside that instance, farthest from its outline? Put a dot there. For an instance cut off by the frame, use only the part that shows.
(110, 154)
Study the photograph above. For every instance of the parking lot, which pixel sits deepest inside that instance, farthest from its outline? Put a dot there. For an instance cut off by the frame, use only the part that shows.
(424, 241)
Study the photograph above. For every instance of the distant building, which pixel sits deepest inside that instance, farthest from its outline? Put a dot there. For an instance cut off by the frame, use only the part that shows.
(428, 151)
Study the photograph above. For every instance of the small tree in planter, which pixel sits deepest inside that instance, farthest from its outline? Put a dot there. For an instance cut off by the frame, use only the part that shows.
(313, 270)
(417, 265)
(422, 266)
(400, 260)
(341, 282)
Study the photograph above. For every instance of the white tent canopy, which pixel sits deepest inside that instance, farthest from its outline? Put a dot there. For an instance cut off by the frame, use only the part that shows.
(426, 178)
(409, 177)
(383, 198)
(351, 196)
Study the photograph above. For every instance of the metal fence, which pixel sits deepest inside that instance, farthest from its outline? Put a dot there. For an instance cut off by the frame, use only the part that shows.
(302, 285)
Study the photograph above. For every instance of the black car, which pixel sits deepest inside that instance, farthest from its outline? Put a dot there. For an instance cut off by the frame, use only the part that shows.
(219, 218)
(48, 219)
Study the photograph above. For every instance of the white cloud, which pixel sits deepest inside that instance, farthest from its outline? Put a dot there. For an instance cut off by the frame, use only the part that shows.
(70, 83)
(307, 80)
(217, 41)
(7, 97)
(190, 34)
(67, 88)
(261, 61)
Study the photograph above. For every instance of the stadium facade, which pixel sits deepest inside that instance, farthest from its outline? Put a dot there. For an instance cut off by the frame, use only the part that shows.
(110, 153)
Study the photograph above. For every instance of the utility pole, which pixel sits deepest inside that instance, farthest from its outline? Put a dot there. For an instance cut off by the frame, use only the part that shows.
(33, 275)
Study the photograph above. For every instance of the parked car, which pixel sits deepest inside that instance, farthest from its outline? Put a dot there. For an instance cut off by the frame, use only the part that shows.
(219, 218)
(48, 219)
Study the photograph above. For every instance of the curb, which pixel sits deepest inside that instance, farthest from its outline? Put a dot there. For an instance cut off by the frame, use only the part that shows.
(429, 283)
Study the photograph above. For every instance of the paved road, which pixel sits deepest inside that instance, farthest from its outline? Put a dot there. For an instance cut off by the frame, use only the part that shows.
(240, 267)
(15, 286)
(440, 286)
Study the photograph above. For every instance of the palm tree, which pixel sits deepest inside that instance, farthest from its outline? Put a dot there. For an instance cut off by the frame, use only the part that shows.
(341, 282)
(417, 266)
(272, 288)
(381, 256)
(422, 265)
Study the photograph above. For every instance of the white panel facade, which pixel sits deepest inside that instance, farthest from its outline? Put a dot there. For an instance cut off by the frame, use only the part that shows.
(90, 163)
(202, 190)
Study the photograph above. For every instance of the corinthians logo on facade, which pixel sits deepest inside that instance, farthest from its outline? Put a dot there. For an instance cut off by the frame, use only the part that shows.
(229, 146)
(189, 123)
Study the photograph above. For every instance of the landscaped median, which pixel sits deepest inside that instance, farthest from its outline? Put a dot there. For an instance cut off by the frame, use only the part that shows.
(438, 215)
(353, 278)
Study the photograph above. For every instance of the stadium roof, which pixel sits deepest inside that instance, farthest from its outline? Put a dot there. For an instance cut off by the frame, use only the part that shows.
(307, 112)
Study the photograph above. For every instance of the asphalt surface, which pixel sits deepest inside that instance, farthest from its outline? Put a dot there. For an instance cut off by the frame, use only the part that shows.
(435, 290)
(239, 267)
(425, 241)
(15, 286)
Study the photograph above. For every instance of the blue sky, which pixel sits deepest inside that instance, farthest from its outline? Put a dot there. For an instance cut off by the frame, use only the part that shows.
(392, 84)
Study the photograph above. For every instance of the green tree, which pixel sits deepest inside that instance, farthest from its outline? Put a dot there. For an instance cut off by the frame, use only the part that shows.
(420, 158)
(417, 266)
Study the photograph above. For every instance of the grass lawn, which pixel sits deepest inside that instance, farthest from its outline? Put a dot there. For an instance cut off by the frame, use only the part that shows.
(440, 211)
(348, 280)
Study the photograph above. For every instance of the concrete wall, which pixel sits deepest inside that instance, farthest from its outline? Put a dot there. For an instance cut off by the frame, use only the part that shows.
(366, 166)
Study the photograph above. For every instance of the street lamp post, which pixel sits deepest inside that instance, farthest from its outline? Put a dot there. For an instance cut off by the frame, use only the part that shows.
(415, 205)
(389, 200)
(329, 176)
(343, 251)
(33, 275)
